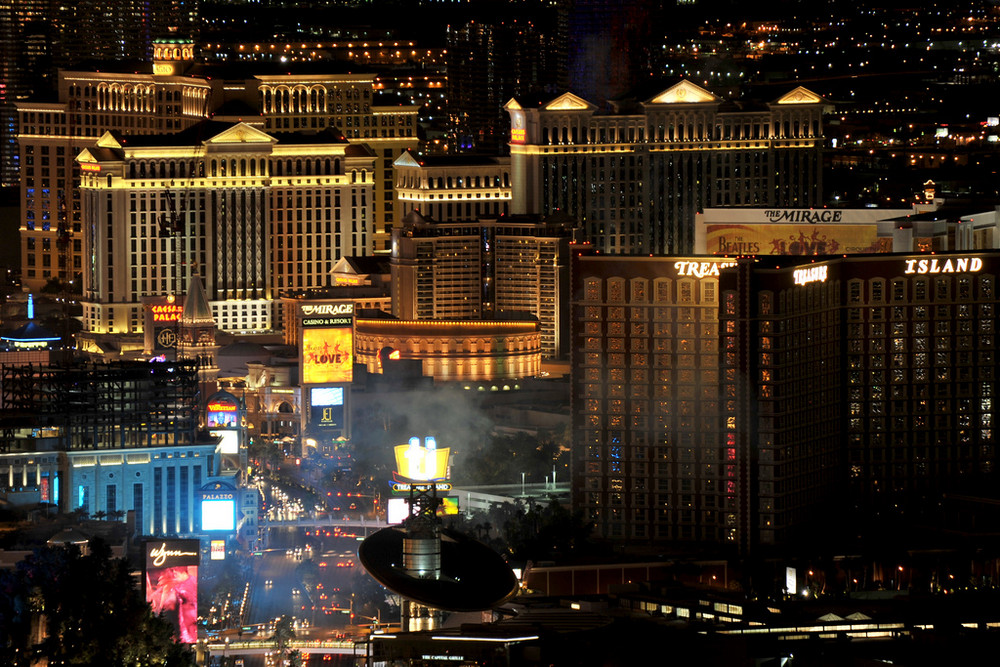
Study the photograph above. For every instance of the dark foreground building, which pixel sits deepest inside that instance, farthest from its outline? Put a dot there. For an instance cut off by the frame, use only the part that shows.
(761, 402)
(110, 438)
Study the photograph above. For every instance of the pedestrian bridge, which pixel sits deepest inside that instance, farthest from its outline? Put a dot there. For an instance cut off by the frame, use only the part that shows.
(325, 522)
(266, 646)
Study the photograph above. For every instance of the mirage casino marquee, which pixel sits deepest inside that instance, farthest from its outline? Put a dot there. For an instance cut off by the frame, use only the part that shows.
(326, 344)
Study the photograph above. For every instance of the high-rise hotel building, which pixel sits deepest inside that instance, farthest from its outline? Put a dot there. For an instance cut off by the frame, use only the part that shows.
(512, 267)
(635, 178)
(254, 213)
(451, 188)
(648, 457)
(175, 95)
(751, 402)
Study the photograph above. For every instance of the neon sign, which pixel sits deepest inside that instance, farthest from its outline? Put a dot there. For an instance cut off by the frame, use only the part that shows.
(168, 312)
(804, 215)
(959, 265)
(328, 309)
(158, 555)
(701, 269)
(814, 274)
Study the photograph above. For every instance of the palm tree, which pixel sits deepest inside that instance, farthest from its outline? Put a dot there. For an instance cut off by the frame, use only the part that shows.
(283, 633)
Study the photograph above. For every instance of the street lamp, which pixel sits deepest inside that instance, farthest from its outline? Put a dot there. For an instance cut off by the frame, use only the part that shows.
(522, 484)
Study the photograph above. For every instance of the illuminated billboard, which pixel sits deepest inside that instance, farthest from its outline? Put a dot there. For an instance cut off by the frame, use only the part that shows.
(223, 411)
(161, 317)
(218, 550)
(326, 407)
(421, 462)
(794, 239)
(218, 508)
(171, 584)
(229, 441)
(327, 350)
(398, 509)
(218, 515)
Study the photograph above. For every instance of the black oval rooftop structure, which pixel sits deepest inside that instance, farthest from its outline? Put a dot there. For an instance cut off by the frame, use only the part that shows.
(473, 576)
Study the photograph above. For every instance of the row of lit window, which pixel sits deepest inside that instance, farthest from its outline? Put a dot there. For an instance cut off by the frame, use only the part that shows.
(900, 313)
(639, 291)
(897, 289)
(658, 314)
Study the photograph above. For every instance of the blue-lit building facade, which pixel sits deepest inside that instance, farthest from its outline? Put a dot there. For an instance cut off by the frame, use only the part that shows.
(113, 440)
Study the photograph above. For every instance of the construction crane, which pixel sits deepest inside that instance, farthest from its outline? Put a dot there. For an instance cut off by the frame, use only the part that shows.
(171, 224)
(64, 242)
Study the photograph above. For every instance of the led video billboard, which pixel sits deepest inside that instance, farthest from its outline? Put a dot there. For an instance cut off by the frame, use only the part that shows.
(398, 509)
(229, 441)
(218, 507)
(326, 407)
(171, 584)
(421, 463)
(222, 411)
(327, 354)
(218, 515)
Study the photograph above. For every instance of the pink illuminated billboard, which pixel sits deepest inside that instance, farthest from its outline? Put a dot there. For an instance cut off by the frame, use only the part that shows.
(171, 584)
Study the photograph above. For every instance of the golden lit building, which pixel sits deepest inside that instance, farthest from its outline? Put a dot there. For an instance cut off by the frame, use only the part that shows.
(452, 188)
(452, 351)
(254, 213)
(52, 134)
(635, 177)
(350, 103)
(177, 94)
(360, 280)
(935, 225)
(507, 267)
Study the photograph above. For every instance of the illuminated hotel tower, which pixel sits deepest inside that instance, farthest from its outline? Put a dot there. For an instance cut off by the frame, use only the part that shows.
(252, 212)
(635, 178)
(495, 268)
(452, 188)
(38, 36)
(172, 97)
(773, 401)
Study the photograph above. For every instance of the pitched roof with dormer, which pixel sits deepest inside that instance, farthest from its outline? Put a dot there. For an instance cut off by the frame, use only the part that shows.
(684, 92)
(565, 102)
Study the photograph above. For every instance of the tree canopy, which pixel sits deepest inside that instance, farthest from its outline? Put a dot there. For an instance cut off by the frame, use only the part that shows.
(64, 607)
(501, 458)
(527, 530)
